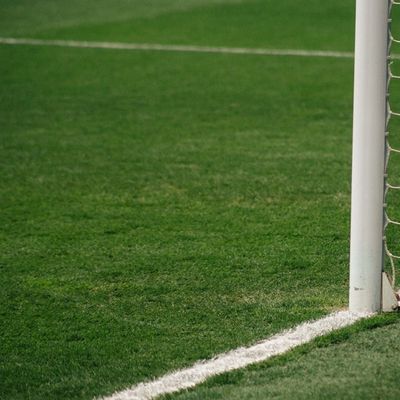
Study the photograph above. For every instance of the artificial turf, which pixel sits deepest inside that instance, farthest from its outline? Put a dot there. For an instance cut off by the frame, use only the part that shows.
(158, 208)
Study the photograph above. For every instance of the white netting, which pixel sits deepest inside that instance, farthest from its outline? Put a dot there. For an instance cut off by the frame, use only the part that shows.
(389, 151)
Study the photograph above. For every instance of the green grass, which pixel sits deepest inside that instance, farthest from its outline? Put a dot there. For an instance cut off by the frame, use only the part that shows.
(158, 208)
(355, 363)
(150, 222)
(266, 23)
(26, 17)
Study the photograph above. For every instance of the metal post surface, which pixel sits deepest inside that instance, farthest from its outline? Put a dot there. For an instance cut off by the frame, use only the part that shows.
(369, 119)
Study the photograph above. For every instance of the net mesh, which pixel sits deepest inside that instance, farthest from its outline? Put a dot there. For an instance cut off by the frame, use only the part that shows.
(391, 220)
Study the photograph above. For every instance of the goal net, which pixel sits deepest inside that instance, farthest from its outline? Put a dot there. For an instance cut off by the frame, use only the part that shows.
(391, 236)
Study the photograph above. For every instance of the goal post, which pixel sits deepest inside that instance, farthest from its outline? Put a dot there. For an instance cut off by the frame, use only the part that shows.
(368, 166)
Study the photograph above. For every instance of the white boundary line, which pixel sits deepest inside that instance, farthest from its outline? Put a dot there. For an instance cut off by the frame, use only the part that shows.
(176, 48)
(239, 358)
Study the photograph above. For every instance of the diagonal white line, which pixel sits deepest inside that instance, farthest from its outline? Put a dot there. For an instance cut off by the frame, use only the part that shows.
(239, 358)
(176, 48)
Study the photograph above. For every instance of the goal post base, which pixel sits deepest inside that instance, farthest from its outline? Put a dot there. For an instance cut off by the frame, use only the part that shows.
(389, 298)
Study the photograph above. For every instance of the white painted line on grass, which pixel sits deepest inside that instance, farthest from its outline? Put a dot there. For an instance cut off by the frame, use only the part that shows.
(176, 48)
(239, 358)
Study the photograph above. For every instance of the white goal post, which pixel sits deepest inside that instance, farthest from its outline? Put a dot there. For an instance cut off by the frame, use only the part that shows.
(369, 290)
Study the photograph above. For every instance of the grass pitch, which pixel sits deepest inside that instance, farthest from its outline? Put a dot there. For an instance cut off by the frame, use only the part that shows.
(159, 208)
(355, 363)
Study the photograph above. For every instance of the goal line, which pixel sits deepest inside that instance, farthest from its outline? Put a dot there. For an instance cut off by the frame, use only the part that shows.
(174, 48)
(242, 357)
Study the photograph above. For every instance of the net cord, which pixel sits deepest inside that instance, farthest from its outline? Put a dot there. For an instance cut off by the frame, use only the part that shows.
(389, 150)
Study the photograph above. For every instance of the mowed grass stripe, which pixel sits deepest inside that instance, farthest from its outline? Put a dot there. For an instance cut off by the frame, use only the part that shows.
(245, 24)
(27, 17)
